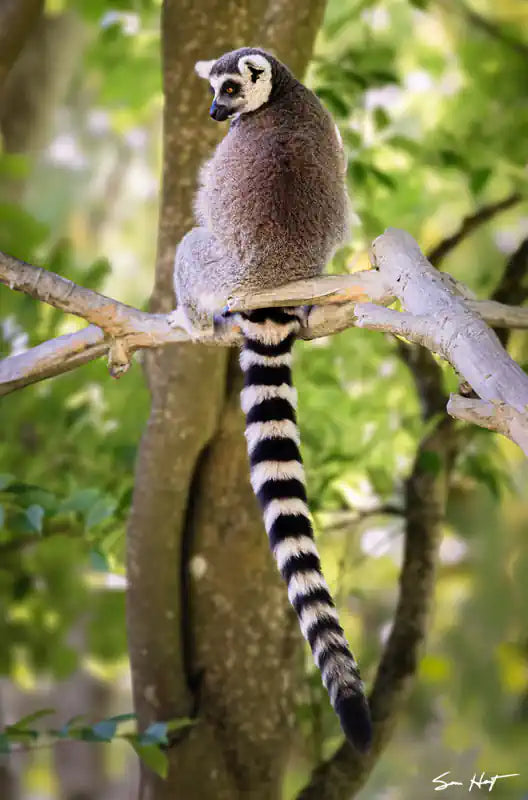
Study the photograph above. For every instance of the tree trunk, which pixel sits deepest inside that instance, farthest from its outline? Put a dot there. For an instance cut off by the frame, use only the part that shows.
(211, 634)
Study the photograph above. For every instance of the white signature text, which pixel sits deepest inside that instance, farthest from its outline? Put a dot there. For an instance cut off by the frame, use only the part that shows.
(476, 782)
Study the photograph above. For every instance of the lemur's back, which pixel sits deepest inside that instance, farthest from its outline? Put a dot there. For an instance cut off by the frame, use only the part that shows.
(272, 207)
(279, 182)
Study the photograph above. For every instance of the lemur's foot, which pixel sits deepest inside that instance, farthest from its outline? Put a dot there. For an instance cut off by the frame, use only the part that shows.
(179, 319)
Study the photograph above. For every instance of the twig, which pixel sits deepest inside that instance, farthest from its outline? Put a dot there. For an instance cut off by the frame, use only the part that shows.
(494, 416)
(488, 27)
(437, 315)
(469, 225)
(513, 286)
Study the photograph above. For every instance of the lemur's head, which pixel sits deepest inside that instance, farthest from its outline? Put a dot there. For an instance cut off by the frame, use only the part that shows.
(242, 80)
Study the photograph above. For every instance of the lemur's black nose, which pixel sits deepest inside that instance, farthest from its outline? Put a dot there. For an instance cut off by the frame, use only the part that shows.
(218, 112)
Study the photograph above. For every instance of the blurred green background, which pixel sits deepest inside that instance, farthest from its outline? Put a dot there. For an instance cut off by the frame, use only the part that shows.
(431, 99)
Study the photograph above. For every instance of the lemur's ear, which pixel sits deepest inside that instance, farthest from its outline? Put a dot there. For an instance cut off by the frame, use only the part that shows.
(254, 67)
(203, 68)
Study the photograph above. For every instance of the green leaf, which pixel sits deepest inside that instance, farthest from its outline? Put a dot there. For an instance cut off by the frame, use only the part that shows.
(98, 561)
(5, 746)
(381, 118)
(87, 734)
(24, 735)
(450, 158)
(81, 500)
(404, 143)
(153, 757)
(486, 473)
(429, 461)
(2, 517)
(333, 101)
(156, 733)
(99, 512)
(64, 732)
(40, 497)
(478, 179)
(381, 480)
(382, 177)
(382, 76)
(106, 729)
(24, 721)
(35, 515)
(20, 231)
(96, 273)
(352, 139)
(357, 172)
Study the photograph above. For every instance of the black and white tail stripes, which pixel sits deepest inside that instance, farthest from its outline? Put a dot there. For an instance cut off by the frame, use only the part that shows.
(277, 476)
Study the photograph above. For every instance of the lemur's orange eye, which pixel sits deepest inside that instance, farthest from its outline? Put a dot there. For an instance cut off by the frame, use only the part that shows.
(230, 90)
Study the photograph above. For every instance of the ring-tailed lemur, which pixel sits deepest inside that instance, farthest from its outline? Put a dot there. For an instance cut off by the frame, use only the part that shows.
(272, 207)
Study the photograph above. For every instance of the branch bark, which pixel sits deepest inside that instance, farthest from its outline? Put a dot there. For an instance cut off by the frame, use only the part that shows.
(442, 321)
(122, 329)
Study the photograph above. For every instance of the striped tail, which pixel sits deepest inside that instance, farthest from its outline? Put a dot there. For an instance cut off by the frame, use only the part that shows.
(277, 476)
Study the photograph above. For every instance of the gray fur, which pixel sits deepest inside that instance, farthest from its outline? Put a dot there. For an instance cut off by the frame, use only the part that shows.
(271, 205)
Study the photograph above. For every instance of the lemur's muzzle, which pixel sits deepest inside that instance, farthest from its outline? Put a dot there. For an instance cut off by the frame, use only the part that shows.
(218, 112)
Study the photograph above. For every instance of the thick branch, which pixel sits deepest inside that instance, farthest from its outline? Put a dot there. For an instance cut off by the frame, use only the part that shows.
(122, 329)
(444, 322)
(113, 317)
(51, 358)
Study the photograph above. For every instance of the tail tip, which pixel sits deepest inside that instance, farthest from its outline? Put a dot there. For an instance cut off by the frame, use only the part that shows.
(354, 715)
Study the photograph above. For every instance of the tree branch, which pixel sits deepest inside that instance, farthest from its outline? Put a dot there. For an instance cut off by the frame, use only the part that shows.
(469, 225)
(444, 322)
(512, 288)
(113, 317)
(492, 29)
(494, 416)
(344, 774)
(438, 317)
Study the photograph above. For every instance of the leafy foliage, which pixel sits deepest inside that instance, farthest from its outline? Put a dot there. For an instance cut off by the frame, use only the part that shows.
(433, 114)
(148, 744)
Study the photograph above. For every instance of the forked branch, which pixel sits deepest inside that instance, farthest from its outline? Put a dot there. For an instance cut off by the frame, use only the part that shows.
(438, 314)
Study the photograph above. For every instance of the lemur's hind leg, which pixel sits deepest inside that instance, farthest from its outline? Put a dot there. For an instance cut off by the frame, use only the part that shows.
(198, 267)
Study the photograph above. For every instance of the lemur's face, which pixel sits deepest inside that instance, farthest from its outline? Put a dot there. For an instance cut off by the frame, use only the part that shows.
(240, 90)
